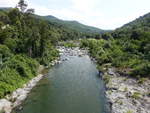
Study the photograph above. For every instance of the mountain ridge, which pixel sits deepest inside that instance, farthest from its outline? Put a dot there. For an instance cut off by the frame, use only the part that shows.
(73, 24)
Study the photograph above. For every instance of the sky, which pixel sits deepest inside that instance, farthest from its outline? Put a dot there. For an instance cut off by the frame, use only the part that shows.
(104, 14)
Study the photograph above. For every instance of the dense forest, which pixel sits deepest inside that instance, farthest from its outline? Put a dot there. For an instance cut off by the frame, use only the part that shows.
(127, 48)
(26, 42)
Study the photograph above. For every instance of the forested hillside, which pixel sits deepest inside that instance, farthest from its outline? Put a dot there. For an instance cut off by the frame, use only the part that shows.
(74, 25)
(127, 48)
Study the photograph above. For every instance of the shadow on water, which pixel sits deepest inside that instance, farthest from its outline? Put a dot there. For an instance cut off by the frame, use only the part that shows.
(71, 87)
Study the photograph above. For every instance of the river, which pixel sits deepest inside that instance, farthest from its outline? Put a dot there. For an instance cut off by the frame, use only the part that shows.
(73, 86)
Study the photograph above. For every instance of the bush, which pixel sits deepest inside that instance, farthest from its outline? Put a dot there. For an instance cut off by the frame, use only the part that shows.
(5, 52)
(106, 78)
(48, 56)
(18, 63)
(69, 44)
(122, 53)
(129, 111)
(11, 43)
(15, 72)
(142, 80)
(9, 81)
(142, 69)
(136, 95)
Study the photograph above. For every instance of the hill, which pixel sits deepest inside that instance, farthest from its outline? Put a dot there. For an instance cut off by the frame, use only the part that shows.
(74, 25)
(143, 21)
(140, 24)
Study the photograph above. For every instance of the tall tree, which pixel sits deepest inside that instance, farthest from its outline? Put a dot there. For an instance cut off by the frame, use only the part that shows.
(22, 5)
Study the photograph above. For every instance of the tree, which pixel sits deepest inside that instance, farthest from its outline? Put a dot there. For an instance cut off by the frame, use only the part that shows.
(106, 36)
(22, 5)
(30, 11)
(15, 16)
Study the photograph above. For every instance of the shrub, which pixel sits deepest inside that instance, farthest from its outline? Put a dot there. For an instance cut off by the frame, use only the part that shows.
(48, 56)
(106, 78)
(9, 81)
(19, 63)
(136, 95)
(142, 80)
(129, 111)
(142, 69)
(68, 44)
(5, 52)
(17, 71)
(131, 55)
(11, 43)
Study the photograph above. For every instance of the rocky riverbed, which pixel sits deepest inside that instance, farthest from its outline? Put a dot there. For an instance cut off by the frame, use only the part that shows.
(65, 53)
(126, 94)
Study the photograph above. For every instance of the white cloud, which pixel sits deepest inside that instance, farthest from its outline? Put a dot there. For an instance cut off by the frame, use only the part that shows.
(83, 5)
(8, 3)
(105, 14)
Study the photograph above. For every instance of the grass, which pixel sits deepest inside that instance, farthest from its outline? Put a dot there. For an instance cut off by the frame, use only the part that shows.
(142, 80)
(106, 78)
(125, 89)
(129, 111)
(68, 44)
(136, 95)
(120, 102)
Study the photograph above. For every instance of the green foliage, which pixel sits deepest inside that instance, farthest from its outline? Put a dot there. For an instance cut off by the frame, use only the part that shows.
(106, 78)
(11, 44)
(142, 80)
(129, 111)
(131, 55)
(68, 44)
(25, 66)
(24, 38)
(9, 81)
(73, 25)
(22, 5)
(136, 95)
(142, 69)
(5, 53)
(48, 55)
(106, 36)
(15, 72)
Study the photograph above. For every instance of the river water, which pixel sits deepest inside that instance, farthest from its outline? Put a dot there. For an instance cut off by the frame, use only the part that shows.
(73, 86)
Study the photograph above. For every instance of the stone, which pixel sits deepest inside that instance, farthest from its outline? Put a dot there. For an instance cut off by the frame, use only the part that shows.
(111, 71)
(5, 106)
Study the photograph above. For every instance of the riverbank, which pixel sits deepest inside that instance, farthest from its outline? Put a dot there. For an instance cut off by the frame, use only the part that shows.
(18, 96)
(126, 94)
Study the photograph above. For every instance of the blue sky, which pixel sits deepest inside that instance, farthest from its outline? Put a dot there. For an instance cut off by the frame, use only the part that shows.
(105, 14)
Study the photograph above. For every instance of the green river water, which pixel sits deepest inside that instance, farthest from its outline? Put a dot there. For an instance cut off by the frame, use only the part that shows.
(73, 86)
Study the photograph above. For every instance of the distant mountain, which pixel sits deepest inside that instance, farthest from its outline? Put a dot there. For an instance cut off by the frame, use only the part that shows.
(74, 25)
(140, 24)
(5, 8)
